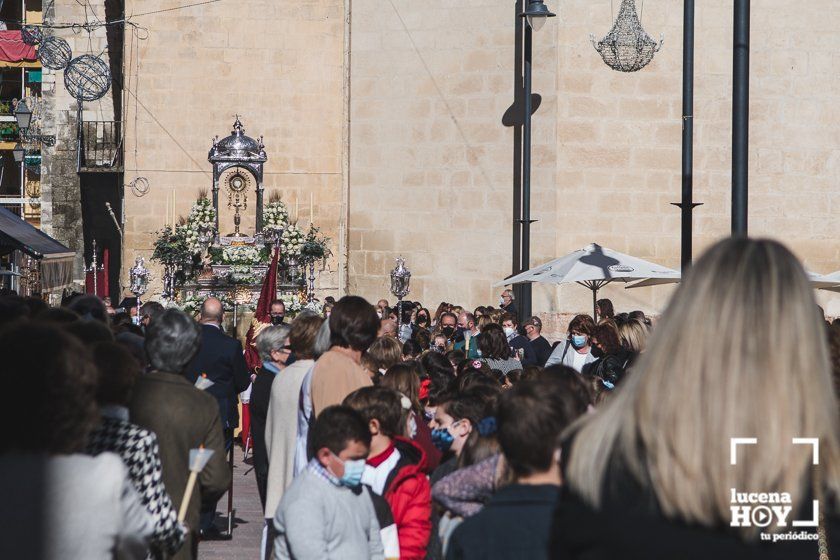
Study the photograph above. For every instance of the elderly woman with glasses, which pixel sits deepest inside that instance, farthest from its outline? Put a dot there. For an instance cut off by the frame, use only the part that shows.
(273, 348)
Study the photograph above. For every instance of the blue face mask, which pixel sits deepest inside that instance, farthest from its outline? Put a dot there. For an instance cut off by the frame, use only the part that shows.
(442, 438)
(579, 340)
(353, 471)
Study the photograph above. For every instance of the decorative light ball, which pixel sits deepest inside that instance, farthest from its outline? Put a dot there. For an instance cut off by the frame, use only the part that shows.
(87, 78)
(54, 53)
(31, 34)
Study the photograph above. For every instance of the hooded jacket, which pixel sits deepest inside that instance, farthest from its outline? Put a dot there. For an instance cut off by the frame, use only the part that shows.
(408, 492)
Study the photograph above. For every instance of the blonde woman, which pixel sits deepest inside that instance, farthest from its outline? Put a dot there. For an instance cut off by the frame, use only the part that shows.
(633, 335)
(739, 353)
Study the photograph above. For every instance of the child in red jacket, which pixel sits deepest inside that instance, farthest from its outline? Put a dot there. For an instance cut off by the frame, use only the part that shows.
(395, 468)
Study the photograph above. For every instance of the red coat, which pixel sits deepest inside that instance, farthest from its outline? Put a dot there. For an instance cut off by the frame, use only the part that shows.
(409, 494)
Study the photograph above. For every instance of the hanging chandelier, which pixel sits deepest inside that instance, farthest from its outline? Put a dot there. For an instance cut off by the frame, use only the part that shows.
(627, 47)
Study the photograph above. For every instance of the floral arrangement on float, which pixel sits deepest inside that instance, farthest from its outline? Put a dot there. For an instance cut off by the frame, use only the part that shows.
(291, 242)
(275, 215)
(201, 221)
(188, 249)
(192, 303)
(294, 303)
(315, 247)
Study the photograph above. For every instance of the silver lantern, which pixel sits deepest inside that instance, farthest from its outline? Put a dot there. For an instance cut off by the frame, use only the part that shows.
(139, 277)
(400, 287)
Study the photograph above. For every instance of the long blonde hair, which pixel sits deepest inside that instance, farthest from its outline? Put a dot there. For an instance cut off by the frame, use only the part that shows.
(740, 352)
(633, 335)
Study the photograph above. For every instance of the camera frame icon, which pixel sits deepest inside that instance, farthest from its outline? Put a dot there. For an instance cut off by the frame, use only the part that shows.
(736, 442)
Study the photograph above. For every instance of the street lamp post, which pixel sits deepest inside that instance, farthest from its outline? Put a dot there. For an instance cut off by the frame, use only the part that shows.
(535, 14)
(740, 116)
(23, 116)
(687, 204)
(19, 153)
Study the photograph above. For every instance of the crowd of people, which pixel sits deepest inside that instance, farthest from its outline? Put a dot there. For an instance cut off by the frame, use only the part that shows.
(382, 432)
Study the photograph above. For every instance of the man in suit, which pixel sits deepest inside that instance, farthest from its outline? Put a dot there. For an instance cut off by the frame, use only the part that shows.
(182, 416)
(221, 360)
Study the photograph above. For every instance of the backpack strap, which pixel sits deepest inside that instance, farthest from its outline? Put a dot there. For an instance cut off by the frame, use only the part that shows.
(565, 349)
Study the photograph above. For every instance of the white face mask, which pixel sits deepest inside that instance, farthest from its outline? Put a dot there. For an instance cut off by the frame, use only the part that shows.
(412, 427)
(509, 332)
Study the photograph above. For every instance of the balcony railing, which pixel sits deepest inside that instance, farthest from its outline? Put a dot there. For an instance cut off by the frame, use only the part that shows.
(100, 147)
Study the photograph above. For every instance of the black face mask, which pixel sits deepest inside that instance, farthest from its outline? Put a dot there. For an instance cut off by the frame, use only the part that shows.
(597, 352)
(448, 331)
(277, 319)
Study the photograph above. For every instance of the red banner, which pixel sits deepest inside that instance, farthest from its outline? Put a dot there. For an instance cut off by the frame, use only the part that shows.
(261, 314)
(13, 49)
(101, 278)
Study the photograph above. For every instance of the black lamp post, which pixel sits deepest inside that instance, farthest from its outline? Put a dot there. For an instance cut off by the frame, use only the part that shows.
(740, 116)
(687, 205)
(535, 14)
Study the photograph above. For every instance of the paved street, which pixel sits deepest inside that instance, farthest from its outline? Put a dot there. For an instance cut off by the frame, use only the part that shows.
(248, 521)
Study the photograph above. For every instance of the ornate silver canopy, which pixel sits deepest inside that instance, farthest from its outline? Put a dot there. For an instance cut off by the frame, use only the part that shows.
(237, 147)
(627, 47)
(234, 158)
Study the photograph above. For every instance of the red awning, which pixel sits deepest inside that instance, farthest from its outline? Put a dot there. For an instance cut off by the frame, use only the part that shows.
(13, 49)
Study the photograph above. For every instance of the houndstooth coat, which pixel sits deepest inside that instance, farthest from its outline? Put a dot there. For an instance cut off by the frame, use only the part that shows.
(138, 449)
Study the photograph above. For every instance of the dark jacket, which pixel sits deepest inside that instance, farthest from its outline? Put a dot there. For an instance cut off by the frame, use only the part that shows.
(221, 358)
(513, 310)
(183, 418)
(610, 367)
(260, 395)
(542, 350)
(629, 526)
(529, 358)
(515, 523)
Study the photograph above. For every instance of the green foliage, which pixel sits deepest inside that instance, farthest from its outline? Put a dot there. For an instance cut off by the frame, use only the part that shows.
(315, 247)
(171, 248)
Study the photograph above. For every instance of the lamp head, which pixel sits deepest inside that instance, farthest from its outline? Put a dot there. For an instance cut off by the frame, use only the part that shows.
(536, 13)
(18, 153)
(23, 115)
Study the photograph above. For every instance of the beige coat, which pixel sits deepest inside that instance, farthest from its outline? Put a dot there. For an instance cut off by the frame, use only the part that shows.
(335, 376)
(281, 431)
